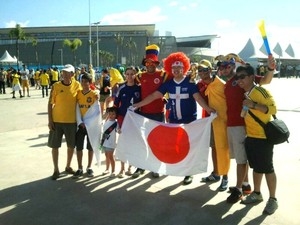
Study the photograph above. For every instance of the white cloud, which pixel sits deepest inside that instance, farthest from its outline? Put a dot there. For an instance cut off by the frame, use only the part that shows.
(12, 24)
(225, 23)
(153, 15)
(173, 3)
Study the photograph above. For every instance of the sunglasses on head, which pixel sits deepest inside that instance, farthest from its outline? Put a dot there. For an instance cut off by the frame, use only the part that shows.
(241, 76)
(203, 70)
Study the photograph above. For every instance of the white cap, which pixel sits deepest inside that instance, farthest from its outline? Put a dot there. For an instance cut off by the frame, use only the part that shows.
(69, 68)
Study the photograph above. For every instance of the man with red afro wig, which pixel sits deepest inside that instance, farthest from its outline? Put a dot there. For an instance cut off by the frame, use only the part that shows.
(183, 94)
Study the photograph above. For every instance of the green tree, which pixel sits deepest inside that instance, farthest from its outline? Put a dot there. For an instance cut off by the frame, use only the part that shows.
(131, 46)
(34, 43)
(18, 34)
(120, 42)
(106, 58)
(73, 45)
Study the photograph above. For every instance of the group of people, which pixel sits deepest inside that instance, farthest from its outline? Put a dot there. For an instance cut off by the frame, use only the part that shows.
(171, 95)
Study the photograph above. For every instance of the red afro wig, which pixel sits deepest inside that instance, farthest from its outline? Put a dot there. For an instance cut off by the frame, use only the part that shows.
(176, 57)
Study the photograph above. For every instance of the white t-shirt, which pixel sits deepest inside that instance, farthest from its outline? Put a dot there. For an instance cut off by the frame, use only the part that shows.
(111, 140)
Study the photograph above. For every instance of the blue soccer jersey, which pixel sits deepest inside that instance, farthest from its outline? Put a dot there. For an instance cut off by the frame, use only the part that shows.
(183, 108)
(126, 96)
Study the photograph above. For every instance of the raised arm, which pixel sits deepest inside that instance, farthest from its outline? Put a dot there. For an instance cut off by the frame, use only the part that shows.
(270, 73)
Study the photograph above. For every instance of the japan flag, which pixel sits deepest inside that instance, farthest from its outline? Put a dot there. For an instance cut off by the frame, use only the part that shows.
(168, 149)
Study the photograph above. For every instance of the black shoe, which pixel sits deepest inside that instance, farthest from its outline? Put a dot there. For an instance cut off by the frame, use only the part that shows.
(78, 174)
(137, 173)
(187, 180)
(155, 175)
(245, 188)
(235, 196)
(90, 172)
(55, 175)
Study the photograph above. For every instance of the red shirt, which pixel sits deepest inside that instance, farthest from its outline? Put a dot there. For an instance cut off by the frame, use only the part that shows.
(201, 85)
(150, 82)
(234, 100)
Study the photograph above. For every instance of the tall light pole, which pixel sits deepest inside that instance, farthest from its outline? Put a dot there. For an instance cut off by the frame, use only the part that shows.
(97, 54)
(90, 33)
(61, 56)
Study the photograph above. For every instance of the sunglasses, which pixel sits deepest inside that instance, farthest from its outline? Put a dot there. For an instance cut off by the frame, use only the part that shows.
(203, 70)
(224, 67)
(241, 76)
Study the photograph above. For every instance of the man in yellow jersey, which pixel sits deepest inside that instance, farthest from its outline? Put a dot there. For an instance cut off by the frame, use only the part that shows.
(62, 117)
(54, 75)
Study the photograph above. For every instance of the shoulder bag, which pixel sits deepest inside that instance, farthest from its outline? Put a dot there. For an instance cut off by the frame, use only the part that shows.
(276, 130)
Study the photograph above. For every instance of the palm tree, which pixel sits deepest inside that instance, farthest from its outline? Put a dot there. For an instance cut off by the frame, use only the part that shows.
(18, 34)
(73, 45)
(106, 58)
(120, 41)
(34, 44)
(131, 45)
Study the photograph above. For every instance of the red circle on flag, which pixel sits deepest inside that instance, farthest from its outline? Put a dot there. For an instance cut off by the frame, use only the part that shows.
(169, 144)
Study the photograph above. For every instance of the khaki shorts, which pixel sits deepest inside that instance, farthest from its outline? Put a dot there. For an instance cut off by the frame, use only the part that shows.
(25, 84)
(236, 141)
(67, 129)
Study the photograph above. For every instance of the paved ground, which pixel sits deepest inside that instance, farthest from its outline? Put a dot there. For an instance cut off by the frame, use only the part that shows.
(29, 197)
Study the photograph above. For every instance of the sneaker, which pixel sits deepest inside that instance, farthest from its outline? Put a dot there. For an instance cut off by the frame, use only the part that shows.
(211, 178)
(78, 173)
(128, 173)
(137, 173)
(235, 196)
(90, 172)
(271, 206)
(224, 184)
(55, 175)
(187, 180)
(155, 175)
(252, 198)
(245, 188)
(112, 175)
(105, 172)
(13, 97)
(69, 170)
(121, 175)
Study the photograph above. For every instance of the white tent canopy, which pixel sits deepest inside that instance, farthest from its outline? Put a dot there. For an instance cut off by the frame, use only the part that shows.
(7, 58)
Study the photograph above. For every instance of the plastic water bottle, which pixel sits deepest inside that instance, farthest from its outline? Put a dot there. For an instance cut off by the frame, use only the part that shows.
(244, 111)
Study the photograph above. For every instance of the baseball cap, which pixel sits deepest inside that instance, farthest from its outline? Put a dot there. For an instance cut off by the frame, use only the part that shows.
(69, 68)
(205, 64)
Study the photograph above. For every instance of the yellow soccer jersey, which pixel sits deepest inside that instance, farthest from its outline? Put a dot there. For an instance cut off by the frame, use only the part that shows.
(63, 99)
(16, 78)
(260, 96)
(54, 75)
(85, 101)
(44, 79)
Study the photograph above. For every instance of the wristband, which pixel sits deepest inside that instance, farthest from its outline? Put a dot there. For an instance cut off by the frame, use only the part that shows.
(269, 69)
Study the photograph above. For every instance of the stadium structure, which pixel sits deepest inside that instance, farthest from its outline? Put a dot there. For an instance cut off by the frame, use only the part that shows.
(117, 44)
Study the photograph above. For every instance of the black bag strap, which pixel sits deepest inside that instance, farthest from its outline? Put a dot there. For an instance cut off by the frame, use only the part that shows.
(261, 123)
(108, 131)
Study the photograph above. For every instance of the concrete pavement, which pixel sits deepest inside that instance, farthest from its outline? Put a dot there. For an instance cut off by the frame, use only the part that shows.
(29, 197)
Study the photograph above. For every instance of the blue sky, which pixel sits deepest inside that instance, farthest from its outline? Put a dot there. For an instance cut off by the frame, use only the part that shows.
(234, 21)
